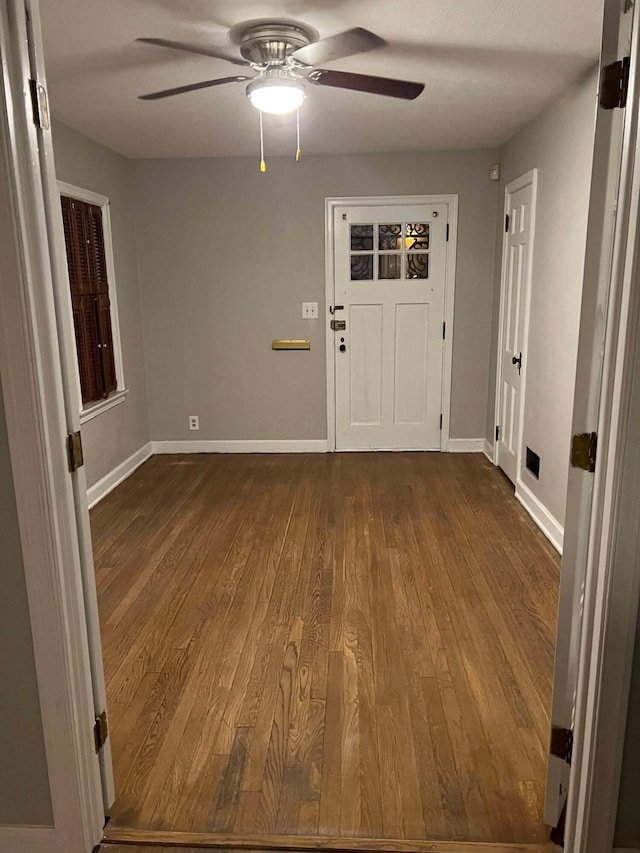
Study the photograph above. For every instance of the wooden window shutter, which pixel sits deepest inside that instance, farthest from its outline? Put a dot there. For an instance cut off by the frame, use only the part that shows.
(86, 260)
(85, 318)
(110, 382)
(95, 244)
(73, 217)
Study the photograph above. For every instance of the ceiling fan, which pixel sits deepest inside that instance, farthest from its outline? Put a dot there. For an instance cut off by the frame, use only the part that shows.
(285, 56)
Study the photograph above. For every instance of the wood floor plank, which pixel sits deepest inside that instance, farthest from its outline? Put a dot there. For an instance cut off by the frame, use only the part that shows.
(332, 650)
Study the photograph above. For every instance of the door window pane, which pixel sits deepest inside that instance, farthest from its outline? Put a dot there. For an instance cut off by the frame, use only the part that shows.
(389, 237)
(417, 266)
(361, 267)
(416, 236)
(390, 266)
(362, 238)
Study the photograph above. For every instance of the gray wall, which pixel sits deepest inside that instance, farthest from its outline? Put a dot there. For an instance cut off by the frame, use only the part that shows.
(228, 254)
(559, 143)
(24, 784)
(114, 435)
(627, 833)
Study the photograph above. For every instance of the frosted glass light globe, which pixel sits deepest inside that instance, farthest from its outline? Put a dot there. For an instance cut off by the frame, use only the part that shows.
(275, 96)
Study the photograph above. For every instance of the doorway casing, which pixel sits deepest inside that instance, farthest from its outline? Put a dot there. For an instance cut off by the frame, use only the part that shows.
(32, 391)
(449, 295)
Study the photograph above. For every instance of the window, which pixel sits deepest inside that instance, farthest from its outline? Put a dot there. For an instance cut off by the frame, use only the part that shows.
(94, 317)
(400, 246)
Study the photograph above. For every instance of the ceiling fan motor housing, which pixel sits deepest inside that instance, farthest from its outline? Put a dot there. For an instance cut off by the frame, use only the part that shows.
(272, 43)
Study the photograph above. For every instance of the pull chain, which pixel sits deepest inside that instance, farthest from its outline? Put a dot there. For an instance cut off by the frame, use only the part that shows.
(263, 165)
(298, 150)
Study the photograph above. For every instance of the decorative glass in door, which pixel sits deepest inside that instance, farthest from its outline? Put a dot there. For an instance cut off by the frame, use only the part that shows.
(389, 251)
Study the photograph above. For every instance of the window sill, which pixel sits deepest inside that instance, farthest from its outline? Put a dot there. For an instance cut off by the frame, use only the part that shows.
(95, 409)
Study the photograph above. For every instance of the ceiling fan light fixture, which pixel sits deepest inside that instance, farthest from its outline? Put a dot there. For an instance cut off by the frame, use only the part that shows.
(276, 95)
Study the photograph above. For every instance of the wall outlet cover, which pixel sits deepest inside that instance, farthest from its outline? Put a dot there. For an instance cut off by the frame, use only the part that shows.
(194, 422)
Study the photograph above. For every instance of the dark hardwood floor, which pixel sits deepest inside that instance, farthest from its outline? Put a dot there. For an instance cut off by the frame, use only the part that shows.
(331, 645)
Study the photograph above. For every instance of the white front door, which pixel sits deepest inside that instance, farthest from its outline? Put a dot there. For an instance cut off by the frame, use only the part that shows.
(516, 265)
(389, 293)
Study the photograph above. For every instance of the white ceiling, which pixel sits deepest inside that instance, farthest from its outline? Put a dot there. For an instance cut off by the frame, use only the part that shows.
(489, 66)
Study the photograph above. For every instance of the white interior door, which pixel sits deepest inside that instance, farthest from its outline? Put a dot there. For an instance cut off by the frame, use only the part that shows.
(516, 273)
(389, 292)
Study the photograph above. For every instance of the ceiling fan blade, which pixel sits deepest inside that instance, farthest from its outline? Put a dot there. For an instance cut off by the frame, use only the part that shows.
(213, 51)
(366, 83)
(357, 40)
(192, 87)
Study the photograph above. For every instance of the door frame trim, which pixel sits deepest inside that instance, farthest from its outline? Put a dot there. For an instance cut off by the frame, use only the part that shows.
(37, 473)
(451, 200)
(34, 411)
(530, 177)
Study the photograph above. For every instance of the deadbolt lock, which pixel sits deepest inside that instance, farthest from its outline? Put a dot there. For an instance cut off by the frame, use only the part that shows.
(338, 325)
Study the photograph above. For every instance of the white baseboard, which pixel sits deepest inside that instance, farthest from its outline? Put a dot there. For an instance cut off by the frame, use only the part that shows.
(108, 483)
(28, 839)
(489, 450)
(465, 445)
(270, 446)
(551, 528)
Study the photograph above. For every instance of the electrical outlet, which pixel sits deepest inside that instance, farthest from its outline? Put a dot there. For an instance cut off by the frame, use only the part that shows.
(194, 422)
(309, 310)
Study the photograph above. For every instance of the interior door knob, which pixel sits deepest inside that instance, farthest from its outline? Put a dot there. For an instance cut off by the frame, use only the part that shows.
(343, 348)
(517, 359)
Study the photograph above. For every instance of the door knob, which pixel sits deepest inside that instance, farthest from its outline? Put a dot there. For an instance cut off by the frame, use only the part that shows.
(517, 359)
(343, 348)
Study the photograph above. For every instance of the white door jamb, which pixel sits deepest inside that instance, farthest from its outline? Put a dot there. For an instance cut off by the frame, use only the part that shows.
(32, 388)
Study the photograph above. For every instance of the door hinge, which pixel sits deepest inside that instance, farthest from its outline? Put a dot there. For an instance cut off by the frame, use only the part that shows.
(614, 84)
(506, 224)
(447, 232)
(584, 451)
(40, 105)
(497, 433)
(75, 456)
(440, 421)
(444, 330)
(561, 744)
(100, 731)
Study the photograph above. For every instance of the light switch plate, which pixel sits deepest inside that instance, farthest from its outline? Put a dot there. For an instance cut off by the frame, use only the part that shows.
(309, 310)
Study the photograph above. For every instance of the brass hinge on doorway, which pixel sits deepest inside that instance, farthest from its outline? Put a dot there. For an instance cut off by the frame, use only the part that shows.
(584, 450)
(614, 84)
(100, 731)
(561, 744)
(75, 456)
